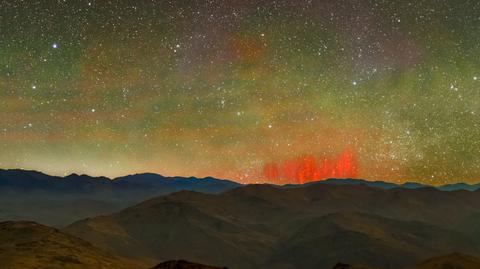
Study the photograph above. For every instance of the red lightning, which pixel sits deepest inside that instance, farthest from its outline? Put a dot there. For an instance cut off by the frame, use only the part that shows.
(308, 168)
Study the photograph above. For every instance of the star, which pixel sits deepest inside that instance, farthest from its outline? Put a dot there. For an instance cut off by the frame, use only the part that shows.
(242, 79)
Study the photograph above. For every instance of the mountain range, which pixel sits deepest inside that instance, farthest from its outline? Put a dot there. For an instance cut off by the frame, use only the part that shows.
(146, 220)
(28, 180)
(58, 201)
(388, 185)
(315, 226)
(25, 180)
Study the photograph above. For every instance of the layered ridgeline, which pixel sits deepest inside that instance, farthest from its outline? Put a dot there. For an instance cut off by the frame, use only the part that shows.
(58, 201)
(314, 226)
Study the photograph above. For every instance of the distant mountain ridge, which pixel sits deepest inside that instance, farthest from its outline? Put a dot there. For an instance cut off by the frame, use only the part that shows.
(388, 185)
(17, 179)
(30, 179)
(58, 201)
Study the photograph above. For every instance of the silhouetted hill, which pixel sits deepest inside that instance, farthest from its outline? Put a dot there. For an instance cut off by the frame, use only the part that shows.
(27, 245)
(175, 230)
(388, 185)
(365, 239)
(450, 261)
(459, 186)
(181, 264)
(17, 179)
(376, 184)
(35, 181)
(348, 266)
(315, 226)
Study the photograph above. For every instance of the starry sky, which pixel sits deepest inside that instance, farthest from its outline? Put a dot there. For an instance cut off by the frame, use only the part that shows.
(249, 90)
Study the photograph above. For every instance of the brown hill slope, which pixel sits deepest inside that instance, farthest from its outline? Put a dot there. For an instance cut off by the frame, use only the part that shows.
(175, 230)
(347, 266)
(450, 261)
(181, 264)
(363, 239)
(27, 245)
(308, 227)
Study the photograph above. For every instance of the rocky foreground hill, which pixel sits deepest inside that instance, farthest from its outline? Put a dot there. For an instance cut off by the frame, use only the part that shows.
(28, 245)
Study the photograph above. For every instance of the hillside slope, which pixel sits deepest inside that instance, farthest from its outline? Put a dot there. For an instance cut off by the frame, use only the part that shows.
(450, 261)
(262, 226)
(27, 245)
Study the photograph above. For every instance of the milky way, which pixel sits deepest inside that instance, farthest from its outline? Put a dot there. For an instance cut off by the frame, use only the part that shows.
(238, 89)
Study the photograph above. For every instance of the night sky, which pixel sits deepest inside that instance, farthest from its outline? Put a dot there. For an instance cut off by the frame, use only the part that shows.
(250, 90)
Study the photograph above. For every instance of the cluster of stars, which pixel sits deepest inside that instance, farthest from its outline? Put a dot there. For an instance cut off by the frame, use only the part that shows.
(211, 88)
